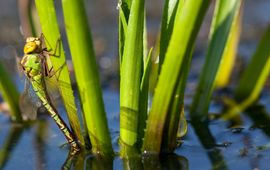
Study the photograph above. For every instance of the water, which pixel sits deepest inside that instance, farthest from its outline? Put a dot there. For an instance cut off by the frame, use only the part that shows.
(40, 145)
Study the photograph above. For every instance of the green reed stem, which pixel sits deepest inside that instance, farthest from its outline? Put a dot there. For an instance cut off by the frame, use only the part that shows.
(143, 105)
(186, 26)
(131, 74)
(50, 29)
(221, 26)
(175, 112)
(230, 52)
(86, 72)
(175, 120)
(253, 79)
(256, 73)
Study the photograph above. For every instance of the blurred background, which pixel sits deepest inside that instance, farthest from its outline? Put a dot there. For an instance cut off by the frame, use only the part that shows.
(103, 18)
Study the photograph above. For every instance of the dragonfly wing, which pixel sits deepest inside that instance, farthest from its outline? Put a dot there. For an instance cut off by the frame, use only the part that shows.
(10, 59)
(29, 102)
(52, 82)
(52, 88)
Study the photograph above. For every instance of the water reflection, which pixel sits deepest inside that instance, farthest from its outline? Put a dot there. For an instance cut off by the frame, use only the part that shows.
(260, 117)
(39, 143)
(74, 162)
(88, 161)
(168, 161)
(99, 163)
(10, 143)
(37, 147)
(208, 141)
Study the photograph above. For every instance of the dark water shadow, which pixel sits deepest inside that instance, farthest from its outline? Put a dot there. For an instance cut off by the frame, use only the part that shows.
(14, 137)
(39, 144)
(88, 161)
(260, 118)
(208, 141)
(168, 162)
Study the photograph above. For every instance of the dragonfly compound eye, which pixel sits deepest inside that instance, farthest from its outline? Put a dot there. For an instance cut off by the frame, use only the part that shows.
(30, 47)
(30, 39)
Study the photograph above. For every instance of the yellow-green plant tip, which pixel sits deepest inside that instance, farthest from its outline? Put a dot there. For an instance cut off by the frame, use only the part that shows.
(256, 73)
(253, 78)
(230, 52)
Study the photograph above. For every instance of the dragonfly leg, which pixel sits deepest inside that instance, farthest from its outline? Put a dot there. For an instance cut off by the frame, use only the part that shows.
(51, 72)
(49, 50)
(57, 47)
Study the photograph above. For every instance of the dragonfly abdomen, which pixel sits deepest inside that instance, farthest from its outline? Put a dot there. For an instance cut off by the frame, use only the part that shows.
(41, 93)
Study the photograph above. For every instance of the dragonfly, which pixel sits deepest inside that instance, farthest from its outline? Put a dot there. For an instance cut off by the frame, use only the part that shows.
(36, 68)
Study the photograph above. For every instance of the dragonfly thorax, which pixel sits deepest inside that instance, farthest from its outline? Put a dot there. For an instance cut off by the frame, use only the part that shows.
(32, 45)
(31, 64)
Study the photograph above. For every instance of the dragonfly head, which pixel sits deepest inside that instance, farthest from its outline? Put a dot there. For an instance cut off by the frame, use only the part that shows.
(32, 45)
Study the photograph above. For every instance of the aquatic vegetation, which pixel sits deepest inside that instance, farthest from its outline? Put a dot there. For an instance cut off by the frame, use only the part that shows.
(147, 128)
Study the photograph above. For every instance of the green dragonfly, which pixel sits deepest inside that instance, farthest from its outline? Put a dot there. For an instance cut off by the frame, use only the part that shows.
(35, 66)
